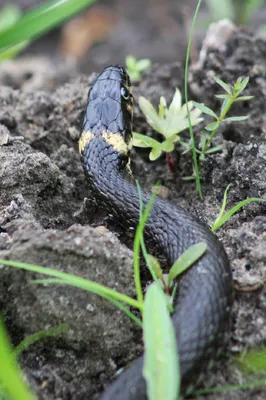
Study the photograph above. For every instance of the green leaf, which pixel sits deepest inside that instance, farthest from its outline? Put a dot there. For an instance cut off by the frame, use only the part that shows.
(212, 126)
(186, 260)
(244, 98)
(168, 145)
(176, 102)
(143, 64)
(161, 365)
(226, 216)
(234, 119)
(9, 14)
(223, 206)
(214, 149)
(39, 20)
(10, 376)
(131, 62)
(221, 96)
(151, 115)
(12, 51)
(155, 153)
(189, 178)
(144, 141)
(155, 265)
(205, 109)
(242, 85)
(224, 85)
(36, 337)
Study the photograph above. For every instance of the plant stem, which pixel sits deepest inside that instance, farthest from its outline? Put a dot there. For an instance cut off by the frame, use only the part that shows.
(170, 163)
(220, 119)
(194, 151)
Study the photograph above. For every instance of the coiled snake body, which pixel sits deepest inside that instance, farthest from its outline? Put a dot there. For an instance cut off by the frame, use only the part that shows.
(204, 299)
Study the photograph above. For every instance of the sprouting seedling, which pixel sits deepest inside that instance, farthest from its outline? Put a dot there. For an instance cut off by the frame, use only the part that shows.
(223, 216)
(135, 67)
(231, 96)
(168, 121)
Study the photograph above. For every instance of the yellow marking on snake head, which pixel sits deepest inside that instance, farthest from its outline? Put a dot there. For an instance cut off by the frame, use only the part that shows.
(117, 141)
(85, 138)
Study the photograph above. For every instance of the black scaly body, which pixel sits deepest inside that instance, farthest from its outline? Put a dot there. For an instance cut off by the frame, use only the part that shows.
(204, 299)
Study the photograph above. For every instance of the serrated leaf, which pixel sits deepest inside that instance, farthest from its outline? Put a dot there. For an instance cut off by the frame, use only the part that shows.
(224, 85)
(161, 365)
(186, 260)
(212, 126)
(205, 109)
(234, 119)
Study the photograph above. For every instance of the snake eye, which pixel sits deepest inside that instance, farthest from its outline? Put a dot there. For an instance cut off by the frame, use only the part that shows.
(125, 93)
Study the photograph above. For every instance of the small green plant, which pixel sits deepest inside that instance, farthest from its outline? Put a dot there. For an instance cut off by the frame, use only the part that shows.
(223, 216)
(231, 96)
(136, 67)
(168, 121)
(18, 30)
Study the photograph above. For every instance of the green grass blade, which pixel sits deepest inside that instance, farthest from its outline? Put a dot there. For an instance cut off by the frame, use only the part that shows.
(40, 20)
(138, 239)
(118, 304)
(226, 216)
(12, 51)
(186, 260)
(194, 152)
(222, 210)
(161, 364)
(73, 280)
(36, 337)
(9, 14)
(10, 377)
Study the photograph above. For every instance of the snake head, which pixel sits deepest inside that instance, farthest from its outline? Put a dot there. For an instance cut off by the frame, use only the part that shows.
(110, 108)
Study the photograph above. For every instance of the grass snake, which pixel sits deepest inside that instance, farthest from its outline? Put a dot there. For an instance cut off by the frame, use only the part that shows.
(203, 305)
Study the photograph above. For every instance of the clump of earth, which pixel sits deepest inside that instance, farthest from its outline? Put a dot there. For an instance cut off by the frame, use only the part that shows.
(49, 217)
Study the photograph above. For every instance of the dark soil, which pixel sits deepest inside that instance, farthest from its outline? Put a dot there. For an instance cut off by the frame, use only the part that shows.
(49, 217)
